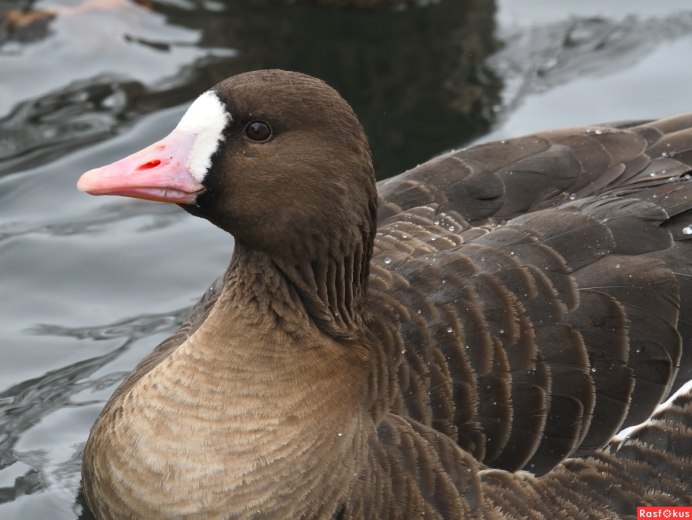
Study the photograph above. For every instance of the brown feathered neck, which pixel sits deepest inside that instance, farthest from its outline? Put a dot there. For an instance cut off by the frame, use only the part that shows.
(319, 277)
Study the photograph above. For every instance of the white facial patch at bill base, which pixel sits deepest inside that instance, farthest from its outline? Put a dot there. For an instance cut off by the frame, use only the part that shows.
(206, 119)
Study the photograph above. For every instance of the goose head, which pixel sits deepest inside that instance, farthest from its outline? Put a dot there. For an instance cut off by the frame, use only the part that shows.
(272, 157)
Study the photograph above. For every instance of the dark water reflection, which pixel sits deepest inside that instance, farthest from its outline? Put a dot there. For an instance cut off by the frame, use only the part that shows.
(89, 285)
(383, 61)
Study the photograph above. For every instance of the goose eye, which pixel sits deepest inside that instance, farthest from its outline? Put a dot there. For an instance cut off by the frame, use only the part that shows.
(258, 131)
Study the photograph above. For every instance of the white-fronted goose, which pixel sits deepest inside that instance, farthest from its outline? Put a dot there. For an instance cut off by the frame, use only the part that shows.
(505, 307)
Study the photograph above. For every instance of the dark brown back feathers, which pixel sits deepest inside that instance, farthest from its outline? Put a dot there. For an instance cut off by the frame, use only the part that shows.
(579, 304)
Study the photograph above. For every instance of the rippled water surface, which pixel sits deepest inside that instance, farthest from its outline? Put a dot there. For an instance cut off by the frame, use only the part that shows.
(89, 285)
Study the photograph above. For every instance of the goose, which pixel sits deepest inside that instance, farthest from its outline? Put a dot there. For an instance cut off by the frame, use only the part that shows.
(463, 340)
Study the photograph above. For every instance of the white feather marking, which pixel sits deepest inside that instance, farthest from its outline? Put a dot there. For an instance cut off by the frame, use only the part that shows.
(627, 432)
(206, 119)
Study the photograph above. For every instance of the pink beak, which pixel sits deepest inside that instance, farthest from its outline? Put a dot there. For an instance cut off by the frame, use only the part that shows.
(158, 172)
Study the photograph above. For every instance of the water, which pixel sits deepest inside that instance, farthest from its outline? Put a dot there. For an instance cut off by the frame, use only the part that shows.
(89, 285)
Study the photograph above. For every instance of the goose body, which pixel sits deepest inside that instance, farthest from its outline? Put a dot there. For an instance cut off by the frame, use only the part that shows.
(464, 340)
